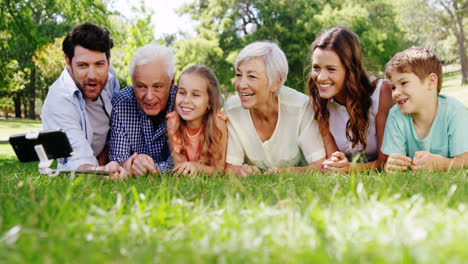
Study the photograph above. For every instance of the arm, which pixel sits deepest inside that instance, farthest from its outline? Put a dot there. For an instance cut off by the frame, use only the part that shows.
(192, 168)
(338, 162)
(432, 162)
(59, 112)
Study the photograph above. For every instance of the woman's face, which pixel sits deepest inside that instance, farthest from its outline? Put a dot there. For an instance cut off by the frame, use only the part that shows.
(328, 74)
(252, 83)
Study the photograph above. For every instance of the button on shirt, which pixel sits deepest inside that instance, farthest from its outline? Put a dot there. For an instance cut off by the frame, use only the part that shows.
(132, 130)
(64, 108)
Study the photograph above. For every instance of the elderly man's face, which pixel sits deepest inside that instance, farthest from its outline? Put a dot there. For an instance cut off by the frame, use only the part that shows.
(151, 85)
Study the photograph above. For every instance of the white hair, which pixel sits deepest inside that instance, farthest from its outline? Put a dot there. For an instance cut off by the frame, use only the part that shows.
(152, 52)
(276, 64)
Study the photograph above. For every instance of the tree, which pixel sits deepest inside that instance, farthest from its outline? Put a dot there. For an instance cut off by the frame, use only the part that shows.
(436, 24)
(294, 25)
(30, 25)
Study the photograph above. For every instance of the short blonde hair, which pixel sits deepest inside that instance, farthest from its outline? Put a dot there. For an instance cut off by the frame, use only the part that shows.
(276, 64)
(418, 60)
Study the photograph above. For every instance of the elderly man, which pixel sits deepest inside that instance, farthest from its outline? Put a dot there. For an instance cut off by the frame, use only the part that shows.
(79, 101)
(138, 128)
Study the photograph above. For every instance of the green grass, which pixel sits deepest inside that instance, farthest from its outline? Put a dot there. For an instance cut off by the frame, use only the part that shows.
(317, 218)
(359, 218)
(451, 84)
(17, 126)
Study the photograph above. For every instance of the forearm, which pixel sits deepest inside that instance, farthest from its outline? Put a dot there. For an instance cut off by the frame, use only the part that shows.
(456, 162)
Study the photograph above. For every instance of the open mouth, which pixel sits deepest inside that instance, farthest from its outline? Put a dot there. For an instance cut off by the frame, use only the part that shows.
(186, 110)
(325, 85)
(402, 101)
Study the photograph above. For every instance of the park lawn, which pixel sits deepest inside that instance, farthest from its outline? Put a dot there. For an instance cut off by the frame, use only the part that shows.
(325, 218)
(451, 84)
(322, 218)
(10, 127)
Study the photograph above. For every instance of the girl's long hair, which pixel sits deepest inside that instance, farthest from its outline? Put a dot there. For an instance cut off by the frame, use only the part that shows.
(211, 134)
(357, 86)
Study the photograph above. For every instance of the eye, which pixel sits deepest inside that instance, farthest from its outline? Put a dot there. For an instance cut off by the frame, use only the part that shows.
(393, 88)
(238, 75)
(331, 69)
(316, 67)
(196, 95)
(181, 92)
(252, 76)
(404, 82)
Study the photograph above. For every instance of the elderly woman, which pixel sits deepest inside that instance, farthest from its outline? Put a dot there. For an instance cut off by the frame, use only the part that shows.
(271, 126)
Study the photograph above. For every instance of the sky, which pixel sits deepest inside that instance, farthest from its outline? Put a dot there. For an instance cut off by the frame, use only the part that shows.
(165, 19)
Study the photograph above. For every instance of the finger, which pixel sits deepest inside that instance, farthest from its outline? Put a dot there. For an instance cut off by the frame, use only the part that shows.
(186, 170)
(400, 162)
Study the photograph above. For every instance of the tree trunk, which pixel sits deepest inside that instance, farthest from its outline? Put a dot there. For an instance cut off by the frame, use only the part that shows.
(17, 101)
(32, 93)
(460, 34)
(25, 105)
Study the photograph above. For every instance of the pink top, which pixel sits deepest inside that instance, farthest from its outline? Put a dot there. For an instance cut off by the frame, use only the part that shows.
(192, 150)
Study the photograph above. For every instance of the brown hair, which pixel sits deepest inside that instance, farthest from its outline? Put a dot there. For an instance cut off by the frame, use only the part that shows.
(89, 36)
(418, 60)
(357, 87)
(211, 135)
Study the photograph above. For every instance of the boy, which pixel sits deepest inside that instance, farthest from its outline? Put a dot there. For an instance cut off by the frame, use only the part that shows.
(424, 130)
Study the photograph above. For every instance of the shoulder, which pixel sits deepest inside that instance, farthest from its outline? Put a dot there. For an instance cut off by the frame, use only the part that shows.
(292, 97)
(450, 102)
(124, 96)
(233, 102)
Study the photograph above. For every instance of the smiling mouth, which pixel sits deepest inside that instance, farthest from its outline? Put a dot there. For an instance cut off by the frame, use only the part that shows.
(402, 101)
(186, 109)
(325, 85)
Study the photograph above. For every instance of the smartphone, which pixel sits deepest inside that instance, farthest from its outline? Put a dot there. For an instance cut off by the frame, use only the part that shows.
(54, 142)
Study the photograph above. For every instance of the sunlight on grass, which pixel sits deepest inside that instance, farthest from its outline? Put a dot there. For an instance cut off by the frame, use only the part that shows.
(451, 84)
(17, 126)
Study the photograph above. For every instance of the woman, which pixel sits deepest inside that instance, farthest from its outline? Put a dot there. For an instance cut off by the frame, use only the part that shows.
(270, 125)
(350, 108)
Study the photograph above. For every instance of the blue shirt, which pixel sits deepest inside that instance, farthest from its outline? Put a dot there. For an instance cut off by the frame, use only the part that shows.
(132, 130)
(64, 108)
(447, 136)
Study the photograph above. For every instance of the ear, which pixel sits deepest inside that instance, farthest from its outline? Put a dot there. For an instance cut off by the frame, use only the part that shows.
(276, 85)
(172, 83)
(68, 61)
(433, 80)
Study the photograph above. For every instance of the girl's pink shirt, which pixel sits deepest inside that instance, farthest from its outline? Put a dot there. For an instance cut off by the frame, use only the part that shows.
(192, 150)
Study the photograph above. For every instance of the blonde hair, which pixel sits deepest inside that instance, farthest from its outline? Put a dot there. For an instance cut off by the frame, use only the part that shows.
(418, 60)
(211, 134)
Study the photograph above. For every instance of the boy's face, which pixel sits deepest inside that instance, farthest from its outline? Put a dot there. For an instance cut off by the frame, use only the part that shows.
(410, 93)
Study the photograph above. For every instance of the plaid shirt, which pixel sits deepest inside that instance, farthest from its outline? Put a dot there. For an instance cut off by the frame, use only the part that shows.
(132, 130)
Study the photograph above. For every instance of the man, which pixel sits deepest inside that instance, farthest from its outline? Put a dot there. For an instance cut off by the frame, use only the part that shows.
(138, 129)
(79, 101)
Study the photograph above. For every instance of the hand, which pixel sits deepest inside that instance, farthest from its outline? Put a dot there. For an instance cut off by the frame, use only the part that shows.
(338, 162)
(397, 162)
(427, 160)
(247, 170)
(142, 164)
(116, 171)
(188, 168)
(274, 170)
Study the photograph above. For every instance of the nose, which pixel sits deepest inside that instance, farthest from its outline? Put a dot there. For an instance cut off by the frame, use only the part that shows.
(241, 82)
(150, 94)
(91, 74)
(322, 76)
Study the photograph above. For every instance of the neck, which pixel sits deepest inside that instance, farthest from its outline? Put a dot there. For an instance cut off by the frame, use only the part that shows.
(266, 111)
(424, 118)
(194, 125)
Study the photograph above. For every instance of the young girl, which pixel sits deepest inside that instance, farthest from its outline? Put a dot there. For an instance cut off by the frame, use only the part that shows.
(197, 129)
(350, 107)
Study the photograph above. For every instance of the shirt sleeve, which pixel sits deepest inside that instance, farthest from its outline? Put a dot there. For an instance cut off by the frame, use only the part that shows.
(458, 125)
(394, 138)
(164, 166)
(310, 140)
(234, 153)
(62, 114)
(119, 146)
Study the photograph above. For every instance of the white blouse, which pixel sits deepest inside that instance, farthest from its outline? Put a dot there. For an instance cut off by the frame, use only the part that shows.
(296, 135)
(339, 118)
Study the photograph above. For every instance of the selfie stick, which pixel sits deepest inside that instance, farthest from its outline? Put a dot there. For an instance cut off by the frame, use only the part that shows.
(44, 161)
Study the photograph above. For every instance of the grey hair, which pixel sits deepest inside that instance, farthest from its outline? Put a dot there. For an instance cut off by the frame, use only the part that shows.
(276, 64)
(152, 52)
